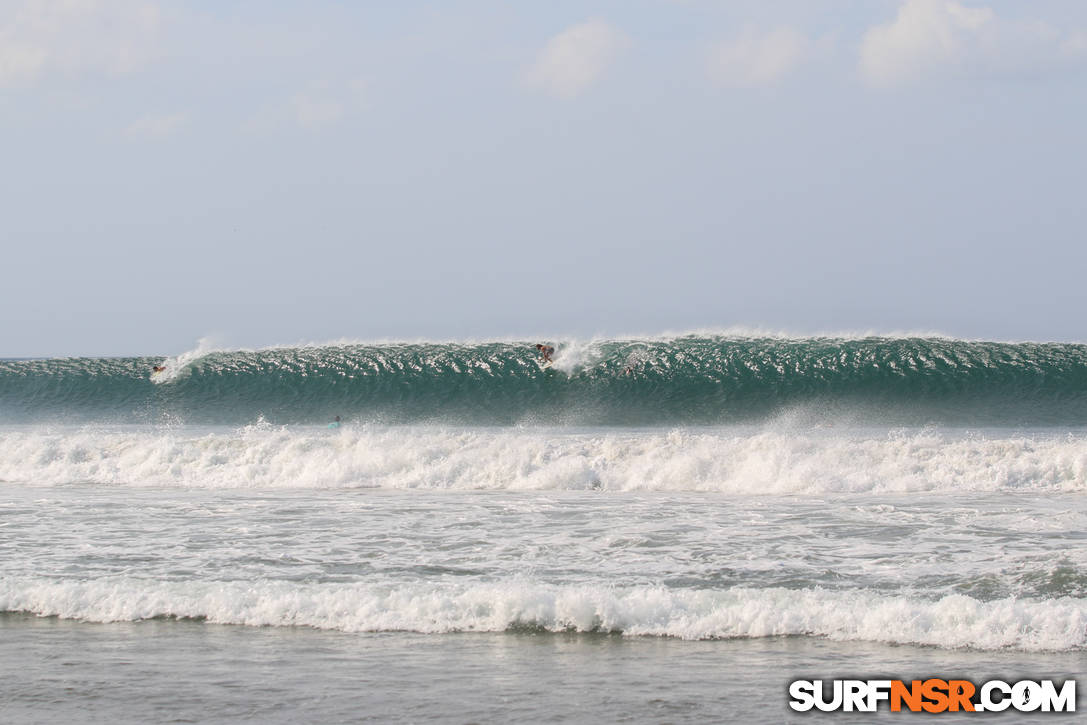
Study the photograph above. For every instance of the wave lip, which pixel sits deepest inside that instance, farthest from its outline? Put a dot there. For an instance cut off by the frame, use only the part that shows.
(955, 621)
(689, 380)
(759, 461)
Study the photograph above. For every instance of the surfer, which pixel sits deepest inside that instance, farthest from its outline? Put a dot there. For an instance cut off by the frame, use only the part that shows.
(335, 423)
(546, 351)
(158, 369)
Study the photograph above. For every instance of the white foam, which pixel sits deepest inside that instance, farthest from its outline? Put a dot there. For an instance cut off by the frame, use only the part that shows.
(731, 462)
(951, 621)
(574, 355)
(754, 462)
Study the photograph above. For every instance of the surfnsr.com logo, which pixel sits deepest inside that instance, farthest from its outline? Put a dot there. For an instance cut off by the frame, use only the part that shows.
(932, 695)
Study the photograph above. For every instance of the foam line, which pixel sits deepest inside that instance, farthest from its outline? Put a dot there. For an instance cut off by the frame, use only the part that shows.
(747, 462)
(952, 621)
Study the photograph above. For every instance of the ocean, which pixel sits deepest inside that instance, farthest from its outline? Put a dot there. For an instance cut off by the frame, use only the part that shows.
(650, 530)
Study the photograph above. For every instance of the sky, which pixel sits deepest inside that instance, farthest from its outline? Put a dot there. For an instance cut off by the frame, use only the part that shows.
(262, 173)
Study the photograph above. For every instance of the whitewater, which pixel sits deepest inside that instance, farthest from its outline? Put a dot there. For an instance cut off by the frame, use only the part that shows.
(649, 529)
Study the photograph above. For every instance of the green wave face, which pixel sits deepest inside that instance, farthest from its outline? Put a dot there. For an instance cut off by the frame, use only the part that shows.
(682, 381)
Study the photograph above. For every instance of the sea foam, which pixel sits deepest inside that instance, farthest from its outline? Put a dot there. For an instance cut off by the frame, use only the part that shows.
(747, 461)
(951, 621)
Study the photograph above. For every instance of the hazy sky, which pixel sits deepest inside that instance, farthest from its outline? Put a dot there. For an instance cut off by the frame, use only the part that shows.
(275, 172)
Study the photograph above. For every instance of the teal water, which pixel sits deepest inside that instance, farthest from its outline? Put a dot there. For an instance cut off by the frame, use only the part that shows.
(694, 380)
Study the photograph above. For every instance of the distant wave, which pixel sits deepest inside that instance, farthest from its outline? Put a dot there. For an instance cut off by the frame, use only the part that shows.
(949, 621)
(777, 459)
(696, 380)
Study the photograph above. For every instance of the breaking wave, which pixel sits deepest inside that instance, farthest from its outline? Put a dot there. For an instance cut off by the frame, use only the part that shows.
(737, 461)
(951, 621)
(694, 380)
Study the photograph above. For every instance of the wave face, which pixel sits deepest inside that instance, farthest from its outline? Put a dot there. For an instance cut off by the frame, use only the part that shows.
(687, 380)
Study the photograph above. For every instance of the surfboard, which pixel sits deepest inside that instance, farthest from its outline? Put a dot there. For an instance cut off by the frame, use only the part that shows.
(546, 365)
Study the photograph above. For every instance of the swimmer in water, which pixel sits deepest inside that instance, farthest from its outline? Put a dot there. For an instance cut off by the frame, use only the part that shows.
(546, 351)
